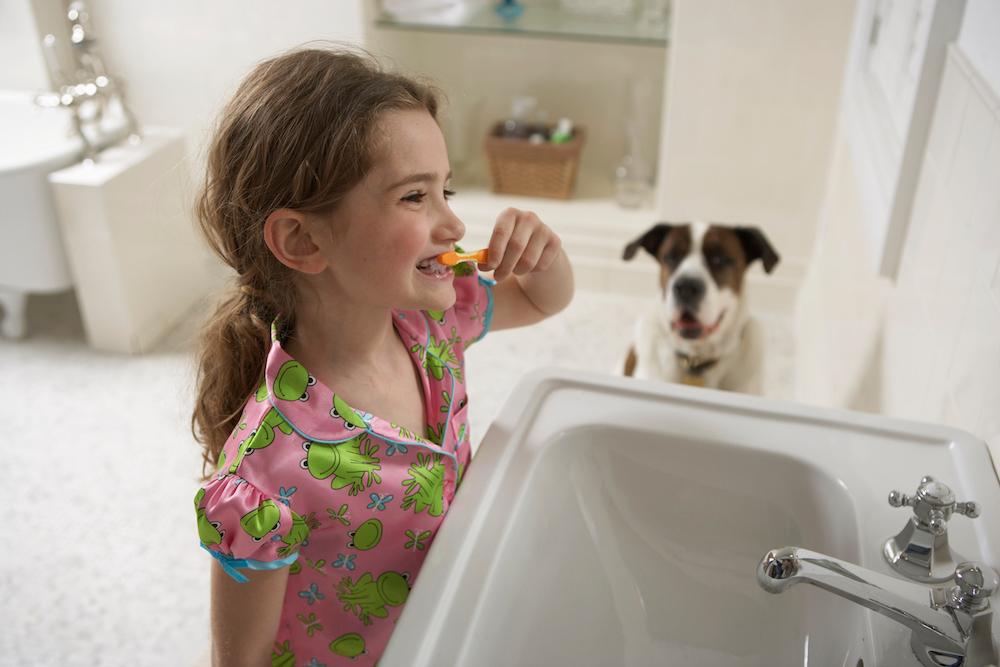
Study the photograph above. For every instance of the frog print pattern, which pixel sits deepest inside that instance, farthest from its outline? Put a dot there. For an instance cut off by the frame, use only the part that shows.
(352, 464)
(349, 502)
(369, 597)
(295, 537)
(208, 531)
(367, 536)
(349, 645)
(282, 655)
(341, 410)
(261, 520)
(262, 437)
(439, 356)
(290, 384)
(425, 485)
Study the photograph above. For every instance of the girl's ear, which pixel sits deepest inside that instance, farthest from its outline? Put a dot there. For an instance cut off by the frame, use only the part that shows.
(289, 236)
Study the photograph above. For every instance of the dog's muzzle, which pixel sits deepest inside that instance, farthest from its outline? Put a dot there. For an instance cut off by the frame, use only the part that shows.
(688, 292)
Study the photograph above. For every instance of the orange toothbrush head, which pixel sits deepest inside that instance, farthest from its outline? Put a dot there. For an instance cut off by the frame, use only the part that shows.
(451, 258)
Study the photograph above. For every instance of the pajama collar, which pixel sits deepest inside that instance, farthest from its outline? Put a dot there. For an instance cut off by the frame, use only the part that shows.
(318, 414)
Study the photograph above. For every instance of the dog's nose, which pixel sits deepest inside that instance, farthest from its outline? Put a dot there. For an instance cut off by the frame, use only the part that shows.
(689, 291)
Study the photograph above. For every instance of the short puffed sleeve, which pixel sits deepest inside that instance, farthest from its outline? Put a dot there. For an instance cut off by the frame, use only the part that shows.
(473, 307)
(242, 527)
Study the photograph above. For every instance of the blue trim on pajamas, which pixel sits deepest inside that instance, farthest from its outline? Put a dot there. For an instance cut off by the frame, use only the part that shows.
(488, 317)
(232, 566)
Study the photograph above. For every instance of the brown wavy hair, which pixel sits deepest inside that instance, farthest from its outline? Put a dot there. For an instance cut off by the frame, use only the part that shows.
(299, 133)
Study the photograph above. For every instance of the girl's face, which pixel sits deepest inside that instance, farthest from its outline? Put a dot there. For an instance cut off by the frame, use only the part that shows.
(396, 219)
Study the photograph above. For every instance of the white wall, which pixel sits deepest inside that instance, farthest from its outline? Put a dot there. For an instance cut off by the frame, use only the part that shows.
(942, 338)
(751, 102)
(925, 347)
(838, 317)
(182, 59)
(21, 63)
(978, 39)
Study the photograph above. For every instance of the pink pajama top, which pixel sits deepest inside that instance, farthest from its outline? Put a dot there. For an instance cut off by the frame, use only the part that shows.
(349, 501)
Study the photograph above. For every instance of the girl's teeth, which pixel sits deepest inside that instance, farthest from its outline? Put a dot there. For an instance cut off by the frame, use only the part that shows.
(433, 267)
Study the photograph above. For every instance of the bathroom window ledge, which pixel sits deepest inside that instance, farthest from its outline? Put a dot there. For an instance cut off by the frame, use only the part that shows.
(541, 21)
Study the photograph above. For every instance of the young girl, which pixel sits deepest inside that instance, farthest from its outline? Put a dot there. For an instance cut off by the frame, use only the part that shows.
(331, 390)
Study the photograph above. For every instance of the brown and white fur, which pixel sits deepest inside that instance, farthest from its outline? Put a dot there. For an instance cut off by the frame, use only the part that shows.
(700, 331)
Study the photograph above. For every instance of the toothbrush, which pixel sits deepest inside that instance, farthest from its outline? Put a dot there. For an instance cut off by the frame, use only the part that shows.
(451, 258)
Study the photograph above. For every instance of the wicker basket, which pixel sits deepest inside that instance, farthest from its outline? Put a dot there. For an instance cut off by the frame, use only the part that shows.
(519, 167)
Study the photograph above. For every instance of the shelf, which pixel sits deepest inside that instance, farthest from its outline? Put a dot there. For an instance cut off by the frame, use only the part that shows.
(537, 20)
(594, 232)
(478, 207)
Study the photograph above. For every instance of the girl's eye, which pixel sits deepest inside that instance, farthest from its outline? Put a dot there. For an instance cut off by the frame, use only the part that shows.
(415, 197)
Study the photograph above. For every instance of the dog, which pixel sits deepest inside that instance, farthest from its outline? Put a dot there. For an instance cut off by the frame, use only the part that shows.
(700, 331)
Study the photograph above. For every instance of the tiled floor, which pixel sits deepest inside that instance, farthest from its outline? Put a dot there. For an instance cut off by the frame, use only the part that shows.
(102, 565)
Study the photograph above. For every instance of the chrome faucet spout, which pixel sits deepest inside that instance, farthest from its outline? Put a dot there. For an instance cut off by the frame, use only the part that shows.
(902, 601)
(946, 628)
(90, 86)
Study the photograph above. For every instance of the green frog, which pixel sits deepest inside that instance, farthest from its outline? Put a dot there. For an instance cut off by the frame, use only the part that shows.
(367, 536)
(369, 597)
(349, 645)
(295, 537)
(208, 531)
(262, 520)
(425, 485)
(351, 463)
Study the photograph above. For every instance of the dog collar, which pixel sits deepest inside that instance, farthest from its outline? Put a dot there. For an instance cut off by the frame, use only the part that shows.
(694, 368)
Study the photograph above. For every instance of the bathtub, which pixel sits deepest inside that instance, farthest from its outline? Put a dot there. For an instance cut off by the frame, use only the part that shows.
(34, 142)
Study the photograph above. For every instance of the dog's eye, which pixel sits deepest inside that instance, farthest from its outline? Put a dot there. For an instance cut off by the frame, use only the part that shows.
(673, 256)
(719, 261)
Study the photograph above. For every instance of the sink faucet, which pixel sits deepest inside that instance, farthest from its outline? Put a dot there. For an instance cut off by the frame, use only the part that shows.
(951, 626)
(90, 84)
(920, 551)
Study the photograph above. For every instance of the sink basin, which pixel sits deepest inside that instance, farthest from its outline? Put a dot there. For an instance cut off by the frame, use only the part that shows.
(36, 141)
(612, 521)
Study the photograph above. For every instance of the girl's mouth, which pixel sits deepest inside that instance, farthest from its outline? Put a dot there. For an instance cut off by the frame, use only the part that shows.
(432, 268)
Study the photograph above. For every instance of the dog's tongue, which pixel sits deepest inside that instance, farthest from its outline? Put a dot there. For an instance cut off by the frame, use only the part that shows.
(687, 320)
(688, 326)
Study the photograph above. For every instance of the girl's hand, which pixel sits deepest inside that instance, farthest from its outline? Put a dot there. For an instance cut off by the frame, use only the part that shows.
(521, 243)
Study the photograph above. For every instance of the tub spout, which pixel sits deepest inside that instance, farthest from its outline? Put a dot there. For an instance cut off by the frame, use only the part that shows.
(949, 625)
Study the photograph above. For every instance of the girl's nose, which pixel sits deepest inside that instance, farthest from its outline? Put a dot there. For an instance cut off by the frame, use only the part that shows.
(451, 228)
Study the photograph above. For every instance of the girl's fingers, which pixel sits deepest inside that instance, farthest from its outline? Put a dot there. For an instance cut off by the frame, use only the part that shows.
(520, 244)
(531, 255)
(516, 245)
(550, 253)
(502, 231)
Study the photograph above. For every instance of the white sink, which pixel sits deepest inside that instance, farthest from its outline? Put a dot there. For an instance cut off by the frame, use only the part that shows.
(607, 521)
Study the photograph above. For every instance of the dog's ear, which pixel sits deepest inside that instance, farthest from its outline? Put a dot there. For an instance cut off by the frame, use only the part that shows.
(650, 240)
(756, 246)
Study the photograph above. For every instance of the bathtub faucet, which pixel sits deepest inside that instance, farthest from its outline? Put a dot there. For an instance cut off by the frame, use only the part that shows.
(89, 90)
(951, 625)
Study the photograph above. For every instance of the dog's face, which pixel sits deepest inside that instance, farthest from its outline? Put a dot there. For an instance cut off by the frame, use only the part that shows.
(701, 272)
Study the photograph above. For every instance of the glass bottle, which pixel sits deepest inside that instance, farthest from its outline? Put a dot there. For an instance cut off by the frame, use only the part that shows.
(632, 175)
